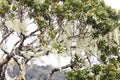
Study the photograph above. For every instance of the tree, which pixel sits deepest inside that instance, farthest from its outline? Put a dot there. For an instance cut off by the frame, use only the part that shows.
(64, 27)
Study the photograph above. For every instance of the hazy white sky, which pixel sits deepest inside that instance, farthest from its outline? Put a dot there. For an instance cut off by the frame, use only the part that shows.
(113, 3)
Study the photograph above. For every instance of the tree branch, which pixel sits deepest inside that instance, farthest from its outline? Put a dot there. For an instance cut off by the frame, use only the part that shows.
(32, 33)
(57, 69)
(6, 37)
(3, 64)
(23, 37)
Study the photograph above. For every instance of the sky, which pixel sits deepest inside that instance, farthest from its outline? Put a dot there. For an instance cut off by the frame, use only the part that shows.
(113, 3)
(52, 59)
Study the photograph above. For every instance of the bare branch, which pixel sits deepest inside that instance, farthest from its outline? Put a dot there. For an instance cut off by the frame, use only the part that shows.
(4, 51)
(32, 42)
(78, 35)
(32, 33)
(26, 59)
(6, 37)
(5, 61)
(57, 69)
(17, 63)
(3, 72)
(23, 37)
(3, 64)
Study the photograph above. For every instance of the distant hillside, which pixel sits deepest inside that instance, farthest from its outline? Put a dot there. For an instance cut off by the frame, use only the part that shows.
(34, 72)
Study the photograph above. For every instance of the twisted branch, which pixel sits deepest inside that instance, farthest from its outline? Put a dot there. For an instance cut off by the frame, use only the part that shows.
(57, 69)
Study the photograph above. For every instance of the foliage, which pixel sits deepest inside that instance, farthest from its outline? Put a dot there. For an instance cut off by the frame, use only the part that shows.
(64, 27)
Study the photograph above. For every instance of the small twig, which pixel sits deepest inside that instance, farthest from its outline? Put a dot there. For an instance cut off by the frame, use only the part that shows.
(3, 72)
(57, 69)
(32, 33)
(32, 42)
(78, 35)
(5, 61)
(4, 51)
(6, 37)
(27, 59)
(3, 65)
(83, 26)
(17, 63)
(22, 41)
(95, 56)
(15, 45)
(40, 77)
